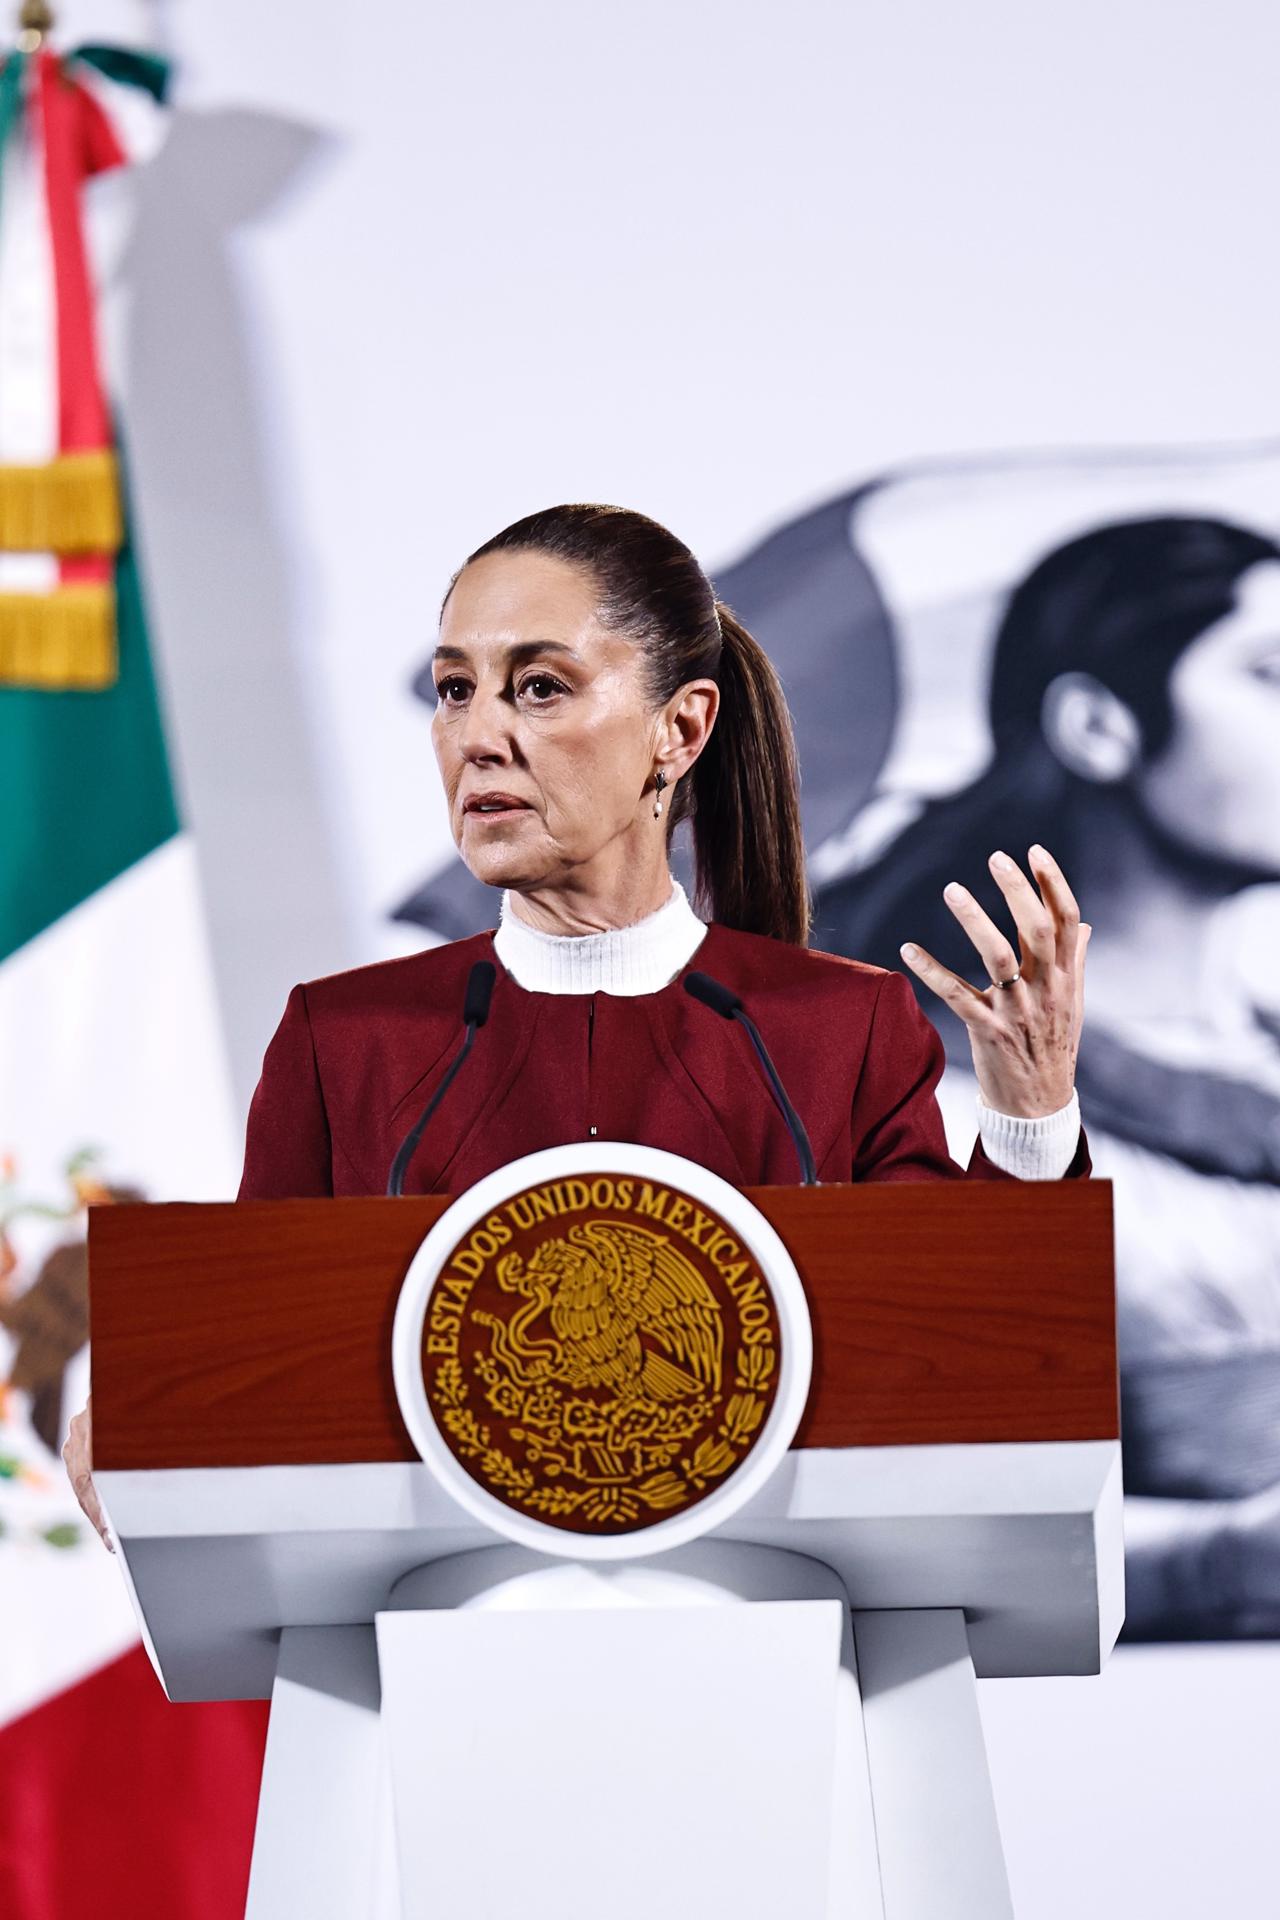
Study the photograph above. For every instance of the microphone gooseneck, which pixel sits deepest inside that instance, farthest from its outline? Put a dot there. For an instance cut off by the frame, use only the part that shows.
(475, 1011)
(722, 1000)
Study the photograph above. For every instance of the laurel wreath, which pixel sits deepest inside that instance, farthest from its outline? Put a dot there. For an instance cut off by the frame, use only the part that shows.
(660, 1492)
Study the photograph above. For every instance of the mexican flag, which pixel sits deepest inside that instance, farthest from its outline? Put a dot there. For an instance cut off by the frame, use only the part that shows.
(112, 1081)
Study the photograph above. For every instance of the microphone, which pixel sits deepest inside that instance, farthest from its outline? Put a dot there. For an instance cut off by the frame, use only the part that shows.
(726, 1003)
(475, 1011)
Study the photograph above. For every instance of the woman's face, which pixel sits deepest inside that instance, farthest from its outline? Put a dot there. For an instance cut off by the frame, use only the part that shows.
(1215, 788)
(544, 738)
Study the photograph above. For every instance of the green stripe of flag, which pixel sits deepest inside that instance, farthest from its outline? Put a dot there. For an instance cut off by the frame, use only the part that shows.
(10, 100)
(129, 65)
(85, 789)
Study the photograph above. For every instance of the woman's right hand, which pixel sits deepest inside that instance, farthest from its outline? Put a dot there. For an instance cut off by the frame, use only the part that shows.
(78, 1455)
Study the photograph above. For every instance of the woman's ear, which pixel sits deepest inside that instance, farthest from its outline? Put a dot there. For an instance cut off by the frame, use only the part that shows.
(687, 721)
(1090, 729)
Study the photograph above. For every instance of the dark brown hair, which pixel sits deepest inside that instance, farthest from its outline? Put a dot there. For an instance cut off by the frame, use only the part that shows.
(741, 796)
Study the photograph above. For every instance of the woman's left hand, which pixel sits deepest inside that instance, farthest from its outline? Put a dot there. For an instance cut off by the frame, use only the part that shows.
(1024, 1033)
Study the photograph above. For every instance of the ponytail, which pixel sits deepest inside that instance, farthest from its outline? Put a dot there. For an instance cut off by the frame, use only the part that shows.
(745, 802)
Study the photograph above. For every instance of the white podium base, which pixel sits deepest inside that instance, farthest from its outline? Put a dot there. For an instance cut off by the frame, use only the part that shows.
(563, 1741)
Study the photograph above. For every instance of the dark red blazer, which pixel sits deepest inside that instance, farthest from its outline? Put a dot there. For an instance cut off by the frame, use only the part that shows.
(357, 1055)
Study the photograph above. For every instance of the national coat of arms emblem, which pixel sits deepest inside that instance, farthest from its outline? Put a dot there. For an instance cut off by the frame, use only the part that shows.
(600, 1353)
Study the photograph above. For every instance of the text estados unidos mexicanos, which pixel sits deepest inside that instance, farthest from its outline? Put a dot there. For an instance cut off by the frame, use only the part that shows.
(561, 1197)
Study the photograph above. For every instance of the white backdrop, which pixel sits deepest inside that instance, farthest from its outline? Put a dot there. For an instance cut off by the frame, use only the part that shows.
(405, 273)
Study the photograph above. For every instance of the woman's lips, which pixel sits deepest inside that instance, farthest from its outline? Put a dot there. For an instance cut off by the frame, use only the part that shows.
(493, 806)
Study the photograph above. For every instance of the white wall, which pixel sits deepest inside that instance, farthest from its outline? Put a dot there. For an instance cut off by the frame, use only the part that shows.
(407, 272)
(1148, 1793)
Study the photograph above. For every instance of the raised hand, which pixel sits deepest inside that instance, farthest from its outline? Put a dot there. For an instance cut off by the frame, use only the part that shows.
(1024, 1029)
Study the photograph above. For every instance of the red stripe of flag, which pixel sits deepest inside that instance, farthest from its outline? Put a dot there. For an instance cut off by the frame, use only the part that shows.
(78, 141)
(120, 1806)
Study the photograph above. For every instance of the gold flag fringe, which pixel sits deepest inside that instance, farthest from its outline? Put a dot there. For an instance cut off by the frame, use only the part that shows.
(70, 505)
(61, 640)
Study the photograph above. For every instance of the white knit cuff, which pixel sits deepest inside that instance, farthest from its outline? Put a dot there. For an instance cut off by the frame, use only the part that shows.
(1039, 1149)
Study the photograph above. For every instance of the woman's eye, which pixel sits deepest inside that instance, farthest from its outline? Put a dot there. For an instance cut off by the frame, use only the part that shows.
(541, 686)
(451, 690)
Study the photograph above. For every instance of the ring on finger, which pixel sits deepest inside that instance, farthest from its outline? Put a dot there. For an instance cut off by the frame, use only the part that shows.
(1004, 985)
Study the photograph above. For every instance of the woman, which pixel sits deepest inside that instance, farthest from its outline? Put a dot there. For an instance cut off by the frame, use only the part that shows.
(592, 693)
(1135, 710)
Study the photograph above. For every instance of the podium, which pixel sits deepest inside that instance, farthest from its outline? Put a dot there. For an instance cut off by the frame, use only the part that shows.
(779, 1717)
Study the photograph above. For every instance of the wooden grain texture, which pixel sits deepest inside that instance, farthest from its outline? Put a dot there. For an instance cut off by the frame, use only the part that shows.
(260, 1333)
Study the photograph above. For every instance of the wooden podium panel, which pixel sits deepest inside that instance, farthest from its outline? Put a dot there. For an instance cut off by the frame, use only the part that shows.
(943, 1313)
(959, 1449)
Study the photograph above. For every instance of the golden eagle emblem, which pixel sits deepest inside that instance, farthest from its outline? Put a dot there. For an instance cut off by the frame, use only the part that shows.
(626, 1312)
(597, 1375)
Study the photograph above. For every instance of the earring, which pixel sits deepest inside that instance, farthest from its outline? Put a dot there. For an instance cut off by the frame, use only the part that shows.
(659, 782)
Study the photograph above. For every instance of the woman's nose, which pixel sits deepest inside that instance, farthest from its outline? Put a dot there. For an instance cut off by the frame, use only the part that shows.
(484, 733)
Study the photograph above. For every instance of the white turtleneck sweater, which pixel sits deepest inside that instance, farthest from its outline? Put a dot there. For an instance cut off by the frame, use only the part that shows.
(647, 956)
